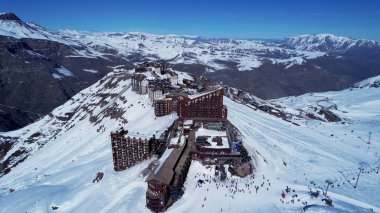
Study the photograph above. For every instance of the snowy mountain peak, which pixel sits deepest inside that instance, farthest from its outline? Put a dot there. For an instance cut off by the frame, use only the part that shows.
(328, 42)
(319, 42)
(9, 17)
(12, 26)
(318, 38)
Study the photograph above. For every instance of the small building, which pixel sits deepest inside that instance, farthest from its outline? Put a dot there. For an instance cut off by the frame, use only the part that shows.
(214, 125)
(140, 84)
(154, 93)
(242, 169)
(130, 150)
(212, 144)
(142, 67)
(188, 125)
(172, 77)
(176, 141)
(163, 107)
(157, 70)
(166, 106)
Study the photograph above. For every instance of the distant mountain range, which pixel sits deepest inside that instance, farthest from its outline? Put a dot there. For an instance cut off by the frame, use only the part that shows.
(41, 69)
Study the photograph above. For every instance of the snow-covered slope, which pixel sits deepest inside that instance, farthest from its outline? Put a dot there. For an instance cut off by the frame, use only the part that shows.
(213, 53)
(247, 54)
(74, 144)
(96, 110)
(328, 42)
(368, 83)
(11, 25)
(352, 105)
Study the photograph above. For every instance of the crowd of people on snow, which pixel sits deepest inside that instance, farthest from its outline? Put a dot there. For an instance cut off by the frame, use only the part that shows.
(231, 187)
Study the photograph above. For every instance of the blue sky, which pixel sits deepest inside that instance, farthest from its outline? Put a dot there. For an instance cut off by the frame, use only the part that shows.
(208, 18)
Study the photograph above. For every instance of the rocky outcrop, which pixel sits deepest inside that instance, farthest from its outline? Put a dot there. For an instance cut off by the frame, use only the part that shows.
(9, 17)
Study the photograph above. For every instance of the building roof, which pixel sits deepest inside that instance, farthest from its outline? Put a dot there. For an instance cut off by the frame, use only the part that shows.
(123, 132)
(163, 99)
(139, 77)
(120, 130)
(182, 161)
(210, 134)
(177, 140)
(185, 95)
(188, 122)
(165, 172)
(205, 93)
(139, 135)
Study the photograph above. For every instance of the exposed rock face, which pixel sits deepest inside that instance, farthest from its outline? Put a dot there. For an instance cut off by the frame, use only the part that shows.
(9, 17)
(31, 84)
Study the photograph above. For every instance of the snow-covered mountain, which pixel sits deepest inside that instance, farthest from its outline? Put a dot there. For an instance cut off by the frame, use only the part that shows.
(247, 54)
(212, 53)
(40, 70)
(368, 83)
(328, 43)
(267, 69)
(13, 26)
(59, 155)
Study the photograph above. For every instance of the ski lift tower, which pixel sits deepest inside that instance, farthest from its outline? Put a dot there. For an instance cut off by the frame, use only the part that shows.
(369, 138)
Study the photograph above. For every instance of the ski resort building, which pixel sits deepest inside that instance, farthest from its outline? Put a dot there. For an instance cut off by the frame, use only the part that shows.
(154, 93)
(166, 106)
(140, 84)
(203, 106)
(165, 184)
(130, 150)
(157, 67)
(202, 133)
(172, 77)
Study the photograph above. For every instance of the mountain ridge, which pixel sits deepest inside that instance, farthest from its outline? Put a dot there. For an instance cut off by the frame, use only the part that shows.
(266, 69)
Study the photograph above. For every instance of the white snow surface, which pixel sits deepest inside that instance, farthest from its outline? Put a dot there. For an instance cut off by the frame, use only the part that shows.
(20, 29)
(213, 133)
(61, 172)
(90, 70)
(64, 71)
(214, 54)
(368, 82)
(327, 42)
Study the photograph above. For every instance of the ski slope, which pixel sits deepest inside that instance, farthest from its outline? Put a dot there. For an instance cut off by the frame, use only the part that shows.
(60, 173)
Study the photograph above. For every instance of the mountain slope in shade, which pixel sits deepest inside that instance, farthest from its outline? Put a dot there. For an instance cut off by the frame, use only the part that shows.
(69, 146)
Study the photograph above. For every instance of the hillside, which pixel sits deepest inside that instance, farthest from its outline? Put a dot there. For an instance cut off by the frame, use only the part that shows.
(31, 57)
(65, 149)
